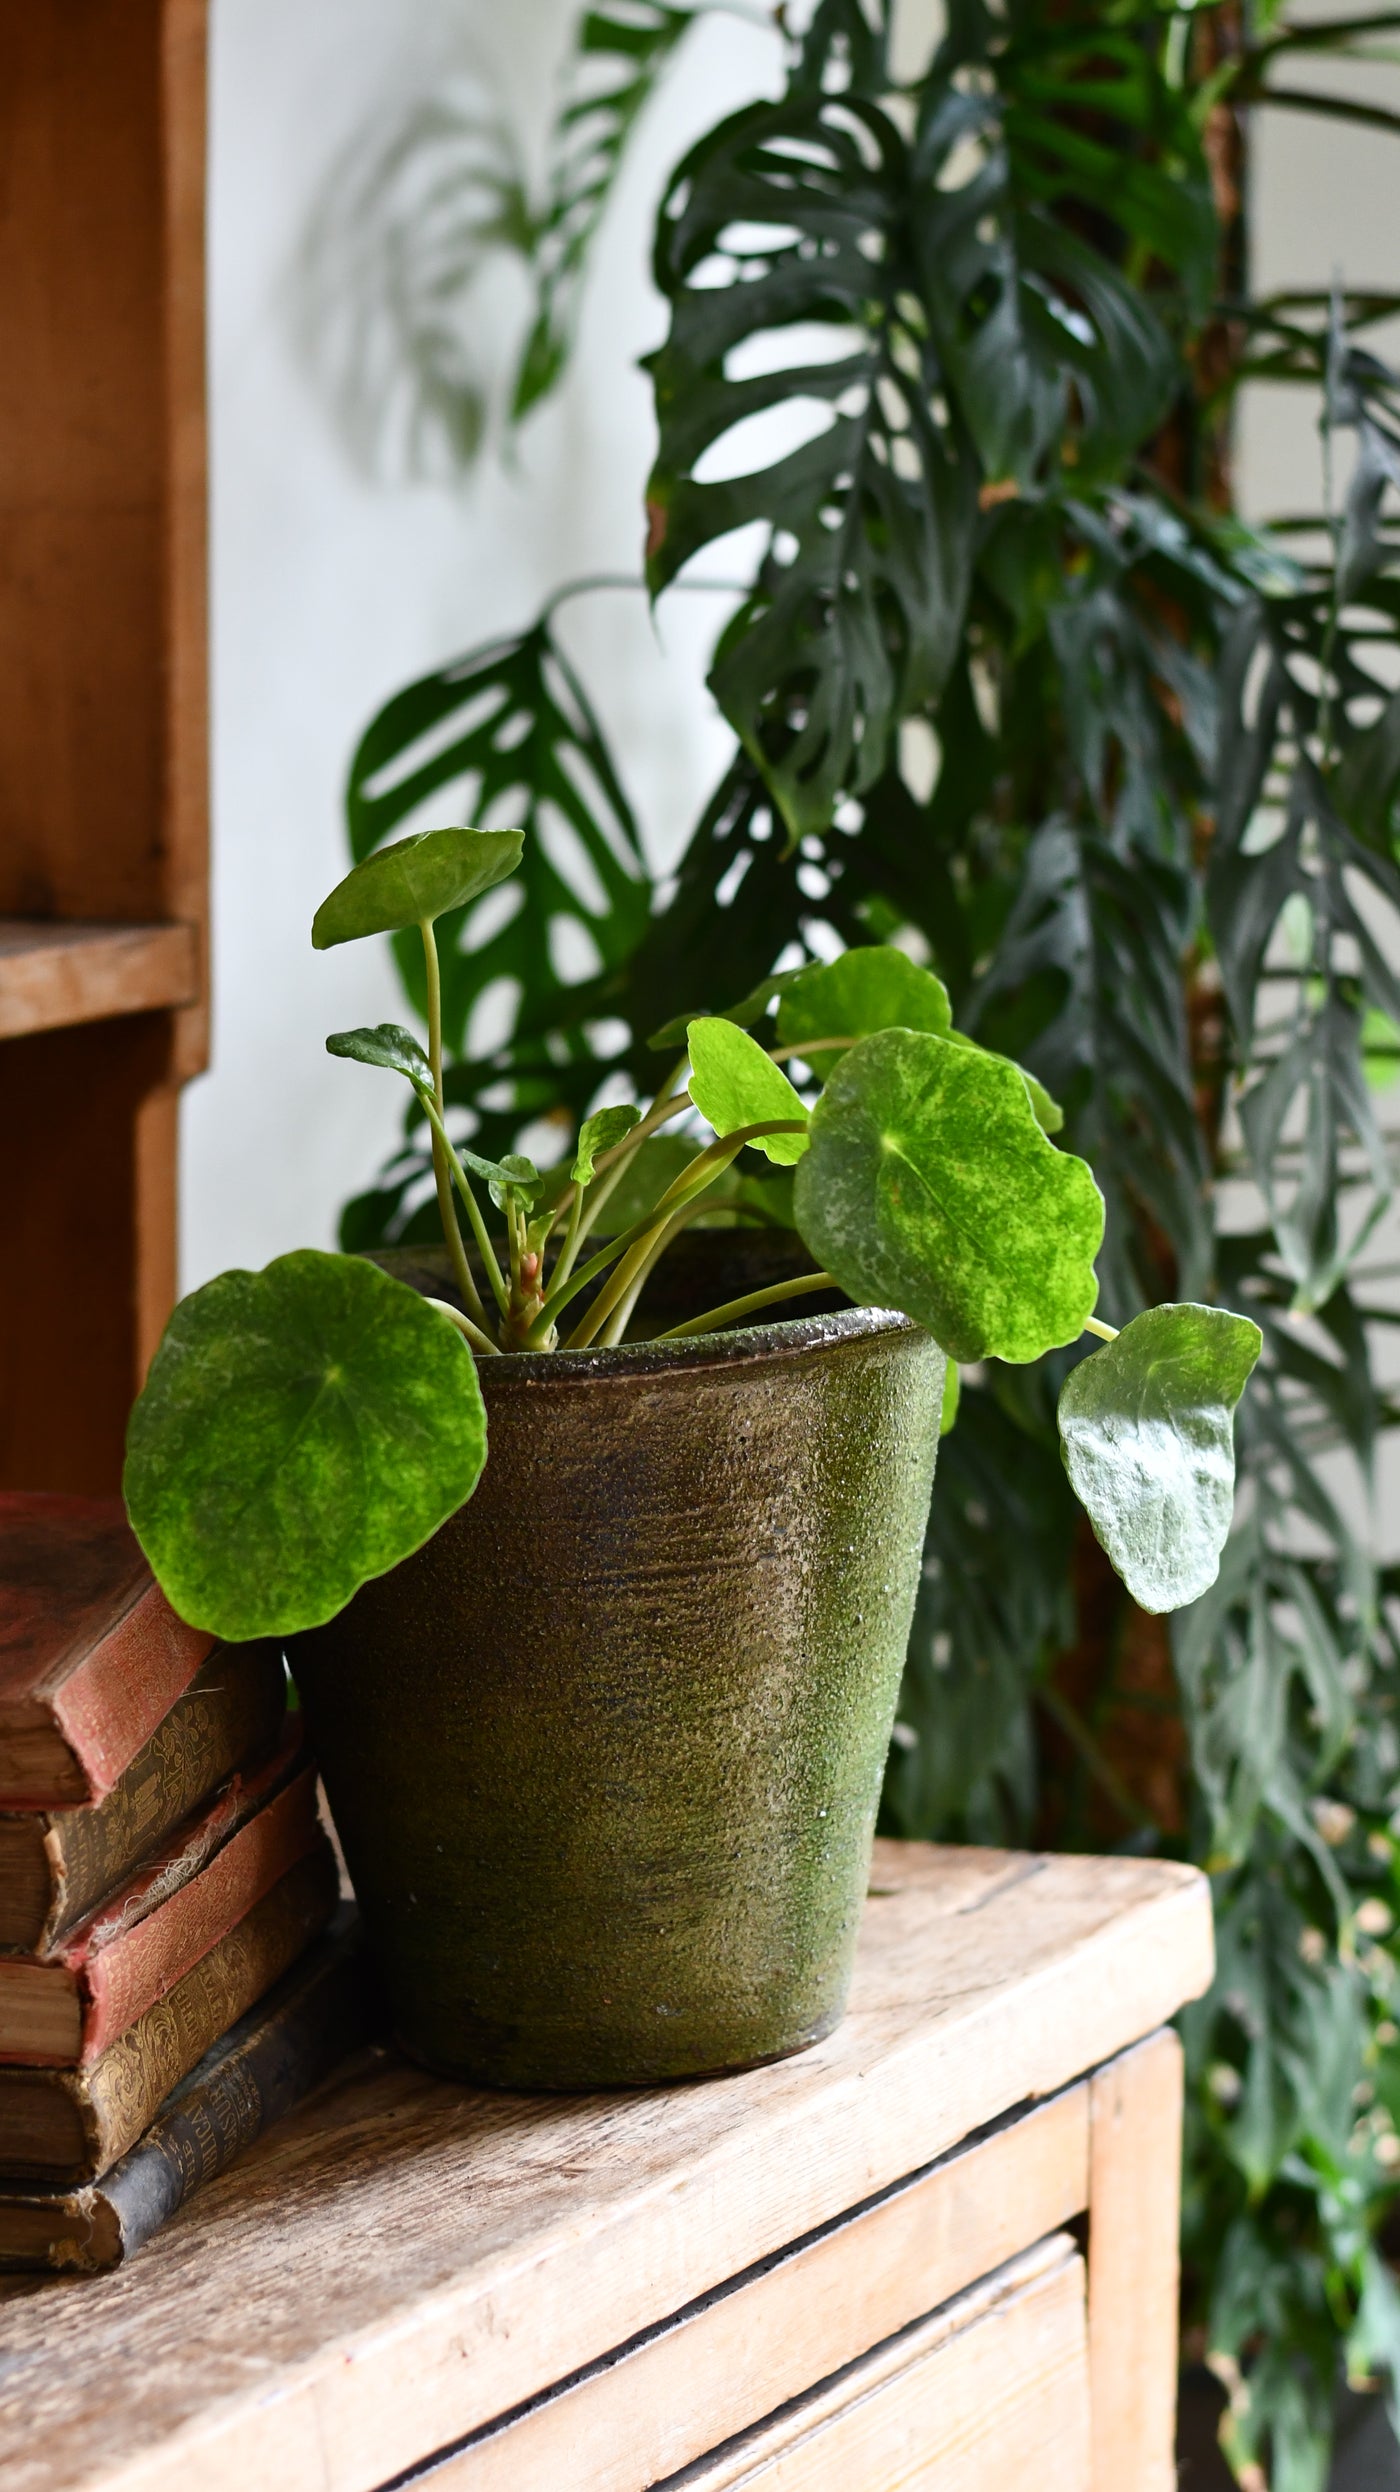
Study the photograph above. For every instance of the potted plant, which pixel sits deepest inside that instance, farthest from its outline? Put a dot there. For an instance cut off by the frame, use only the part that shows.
(603, 1719)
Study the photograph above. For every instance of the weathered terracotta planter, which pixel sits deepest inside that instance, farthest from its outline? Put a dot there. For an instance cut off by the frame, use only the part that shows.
(605, 1756)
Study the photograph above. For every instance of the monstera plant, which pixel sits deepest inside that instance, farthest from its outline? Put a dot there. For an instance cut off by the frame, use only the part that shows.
(1013, 687)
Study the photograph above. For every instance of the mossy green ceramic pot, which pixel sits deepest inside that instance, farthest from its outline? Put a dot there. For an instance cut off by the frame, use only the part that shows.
(605, 1756)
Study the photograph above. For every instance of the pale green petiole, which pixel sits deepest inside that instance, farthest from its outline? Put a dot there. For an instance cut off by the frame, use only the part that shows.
(614, 1162)
(479, 1340)
(640, 1230)
(486, 1250)
(1101, 1332)
(683, 1191)
(447, 1210)
(756, 1298)
(623, 1312)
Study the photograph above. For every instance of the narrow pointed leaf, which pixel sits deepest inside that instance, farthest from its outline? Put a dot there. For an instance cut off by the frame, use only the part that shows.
(1147, 1432)
(393, 1048)
(734, 1083)
(930, 1187)
(302, 1429)
(598, 1133)
(416, 879)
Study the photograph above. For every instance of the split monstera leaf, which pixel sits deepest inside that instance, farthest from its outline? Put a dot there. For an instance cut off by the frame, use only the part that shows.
(307, 1427)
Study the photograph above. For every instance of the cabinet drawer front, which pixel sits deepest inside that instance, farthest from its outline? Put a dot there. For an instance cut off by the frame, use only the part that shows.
(727, 2361)
(990, 2394)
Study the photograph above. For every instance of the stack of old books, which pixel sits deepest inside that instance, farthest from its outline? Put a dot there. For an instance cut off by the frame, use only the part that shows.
(169, 1979)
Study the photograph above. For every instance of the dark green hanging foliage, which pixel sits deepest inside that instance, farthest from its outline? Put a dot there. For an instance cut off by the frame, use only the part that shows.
(1008, 683)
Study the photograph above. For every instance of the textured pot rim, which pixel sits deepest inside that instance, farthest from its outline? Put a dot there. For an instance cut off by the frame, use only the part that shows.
(794, 1337)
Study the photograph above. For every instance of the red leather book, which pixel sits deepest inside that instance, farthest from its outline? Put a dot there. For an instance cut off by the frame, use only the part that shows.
(92, 1656)
(65, 2008)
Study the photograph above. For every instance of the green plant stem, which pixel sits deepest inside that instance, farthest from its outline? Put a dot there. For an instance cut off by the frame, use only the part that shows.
(1101, 1332)
(615, 1162)
(664, 1106)
(624, 1245)
(569, 1250)
(625, 1309)
(695, 1180)
(442, 1179)
(735, 1307)
(1326, 655)
(806, 1048)
(512, 1211)
(485, 1248)
(479, 1340)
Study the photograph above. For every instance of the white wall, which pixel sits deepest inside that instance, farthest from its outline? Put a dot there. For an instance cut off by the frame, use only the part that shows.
(331, 590)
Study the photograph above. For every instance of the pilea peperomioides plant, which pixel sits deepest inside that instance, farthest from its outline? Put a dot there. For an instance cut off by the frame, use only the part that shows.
(305, 1428)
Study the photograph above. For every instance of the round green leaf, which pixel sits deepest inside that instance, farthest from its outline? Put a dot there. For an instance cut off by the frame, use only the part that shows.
(416, 879)
(302, 1429)
(874, 987)
(929, 1186)
(1049, 1115)
(598, 1133)
(393, 1048)
(1147, 1434)
(512, 1175)
(735, 1084)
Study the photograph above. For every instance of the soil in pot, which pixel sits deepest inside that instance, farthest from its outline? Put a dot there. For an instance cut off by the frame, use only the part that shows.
(605, 1756)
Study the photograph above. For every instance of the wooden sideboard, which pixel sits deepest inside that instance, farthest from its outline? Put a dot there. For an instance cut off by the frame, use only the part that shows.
(938, 2250)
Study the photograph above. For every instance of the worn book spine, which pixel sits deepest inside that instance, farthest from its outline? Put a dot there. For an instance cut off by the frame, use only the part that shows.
(70, 2125)
(121, 1968)
(92, 1656)
(112, 1700)
(56, 1866)
(318, 2013)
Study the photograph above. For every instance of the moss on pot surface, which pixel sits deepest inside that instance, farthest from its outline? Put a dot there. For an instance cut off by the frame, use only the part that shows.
(606, 1754)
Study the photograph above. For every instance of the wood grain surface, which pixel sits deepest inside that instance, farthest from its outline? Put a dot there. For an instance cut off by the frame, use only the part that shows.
(103, 728)
(1134, 2199)
(403, 2262)
(990, 2394)
(751, 2347)
(53, 976)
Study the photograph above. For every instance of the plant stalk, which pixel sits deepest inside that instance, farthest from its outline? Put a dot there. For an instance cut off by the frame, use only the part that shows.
(485, 1248)
(639, 1235)
(682, 1190)
(478, 1339)
(442, 1179)
(663, 1107)
(624, 1311)
(735, 1307)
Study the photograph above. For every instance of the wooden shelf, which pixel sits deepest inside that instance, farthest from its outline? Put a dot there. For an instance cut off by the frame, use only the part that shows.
(53, 976)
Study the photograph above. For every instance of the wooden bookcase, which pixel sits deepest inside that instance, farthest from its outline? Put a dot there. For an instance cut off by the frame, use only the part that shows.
(103, 706)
